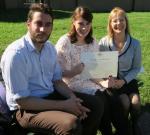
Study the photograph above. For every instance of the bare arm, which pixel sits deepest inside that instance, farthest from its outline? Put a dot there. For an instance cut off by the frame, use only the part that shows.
(74, 71)
(35, 103)
(38, 104)
(72, 104)
(63, 89)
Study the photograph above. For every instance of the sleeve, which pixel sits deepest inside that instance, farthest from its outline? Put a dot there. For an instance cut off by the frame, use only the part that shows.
(63, 52)
(14, 70)
(136, 65)
(57, 72)
(95, 44)
(103, 45)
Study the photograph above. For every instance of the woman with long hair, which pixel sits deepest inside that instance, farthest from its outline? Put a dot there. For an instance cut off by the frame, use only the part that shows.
(129, 61)
(69, 48)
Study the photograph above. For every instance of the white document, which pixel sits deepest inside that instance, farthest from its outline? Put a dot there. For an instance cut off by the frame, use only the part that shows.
(99, 64)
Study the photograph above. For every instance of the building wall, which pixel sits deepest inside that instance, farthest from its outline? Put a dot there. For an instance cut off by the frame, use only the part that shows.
(10, 4)
(63, 4)
(94, 5)
(142, 5)
(2, 4)
(106, 5)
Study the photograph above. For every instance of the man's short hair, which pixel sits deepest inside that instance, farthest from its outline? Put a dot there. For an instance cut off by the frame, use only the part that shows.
(39, 7)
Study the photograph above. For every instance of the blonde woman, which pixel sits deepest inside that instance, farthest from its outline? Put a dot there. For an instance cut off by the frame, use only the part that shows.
(119, 39)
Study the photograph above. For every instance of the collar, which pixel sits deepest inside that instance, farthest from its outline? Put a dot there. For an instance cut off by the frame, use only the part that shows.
(30, 44)
(125, 47)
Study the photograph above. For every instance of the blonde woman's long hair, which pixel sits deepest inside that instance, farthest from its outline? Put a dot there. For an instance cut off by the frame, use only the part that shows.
(116, 11)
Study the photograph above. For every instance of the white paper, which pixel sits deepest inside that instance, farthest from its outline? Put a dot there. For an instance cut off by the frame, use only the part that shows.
(99, 64)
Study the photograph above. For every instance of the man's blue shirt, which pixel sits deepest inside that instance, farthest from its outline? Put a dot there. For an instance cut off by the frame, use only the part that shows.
(27, 72)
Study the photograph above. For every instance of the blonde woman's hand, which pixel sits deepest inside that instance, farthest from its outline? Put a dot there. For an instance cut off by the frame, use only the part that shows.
(119, 83)
(74, 105)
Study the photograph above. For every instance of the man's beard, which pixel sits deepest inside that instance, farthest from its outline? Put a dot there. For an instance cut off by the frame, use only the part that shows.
(41, 38)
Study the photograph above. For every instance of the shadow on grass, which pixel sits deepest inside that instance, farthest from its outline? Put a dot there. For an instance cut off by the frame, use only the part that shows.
(140, 83)
(146, 107)
(20, 15)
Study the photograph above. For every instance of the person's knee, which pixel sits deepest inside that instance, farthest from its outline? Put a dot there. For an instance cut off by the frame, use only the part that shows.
(76, 128)
(135, 101)
(73, 126)
(125, 101)
(70, 123)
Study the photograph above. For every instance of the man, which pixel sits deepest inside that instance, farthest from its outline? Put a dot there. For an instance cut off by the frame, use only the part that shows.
(35, 93)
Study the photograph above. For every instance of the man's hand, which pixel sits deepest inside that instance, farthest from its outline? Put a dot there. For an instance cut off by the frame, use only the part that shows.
(74, 105)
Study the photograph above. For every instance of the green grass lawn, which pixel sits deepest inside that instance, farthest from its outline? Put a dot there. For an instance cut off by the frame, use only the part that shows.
(12, 27)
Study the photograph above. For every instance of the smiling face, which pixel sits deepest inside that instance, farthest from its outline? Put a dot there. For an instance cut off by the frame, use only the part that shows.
(40, 27)
(82, 27)
(118, 24)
